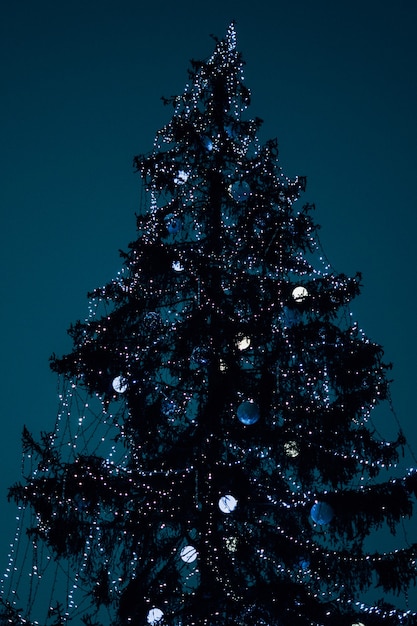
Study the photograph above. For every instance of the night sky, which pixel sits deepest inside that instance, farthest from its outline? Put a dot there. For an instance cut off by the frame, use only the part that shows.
(81, 87)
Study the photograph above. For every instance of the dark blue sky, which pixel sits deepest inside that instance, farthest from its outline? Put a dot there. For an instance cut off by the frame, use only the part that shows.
(81, 82)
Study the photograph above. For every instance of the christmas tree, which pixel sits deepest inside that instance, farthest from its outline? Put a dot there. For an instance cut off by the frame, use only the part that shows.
(214, 459)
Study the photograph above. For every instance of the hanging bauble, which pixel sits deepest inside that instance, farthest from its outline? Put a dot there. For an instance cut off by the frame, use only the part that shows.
(152, 321)
(155, 616)
(230, 132)
(299, 294)
(207, 143)
(321, 513)
(240, 191)
(262, 220)
(169, 407)
(227, 503)
(242, 342)
(181, 178)
(232, 543)
(173, 224)
(200, 355)
(291, 449)
(177, 266)
(188, 554)
(248, 412)
(119, 384)
(304, 564)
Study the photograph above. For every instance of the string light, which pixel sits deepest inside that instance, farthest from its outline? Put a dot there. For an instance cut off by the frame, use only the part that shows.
(212, 434)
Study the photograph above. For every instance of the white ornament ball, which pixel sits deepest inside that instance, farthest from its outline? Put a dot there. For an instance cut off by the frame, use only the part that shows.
(291, 449)
(119, 384)
(242, 343)
(299, 293)
(188, 554)
(227, 503)
(177, 266)
(155, 616)
(181, 177)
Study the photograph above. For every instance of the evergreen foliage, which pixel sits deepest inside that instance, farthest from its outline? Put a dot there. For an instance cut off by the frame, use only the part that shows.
(224, 468)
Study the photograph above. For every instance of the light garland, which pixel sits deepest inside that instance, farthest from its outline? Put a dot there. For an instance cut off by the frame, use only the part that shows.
(211, 460)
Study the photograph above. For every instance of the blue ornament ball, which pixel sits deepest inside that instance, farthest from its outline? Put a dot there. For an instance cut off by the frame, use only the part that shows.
(200, 355)
(321, 513)
(230, 131)
(248, 413)
(173, 224)
(169, 407)
(207, 143)
(152, 321)
(240, 191)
